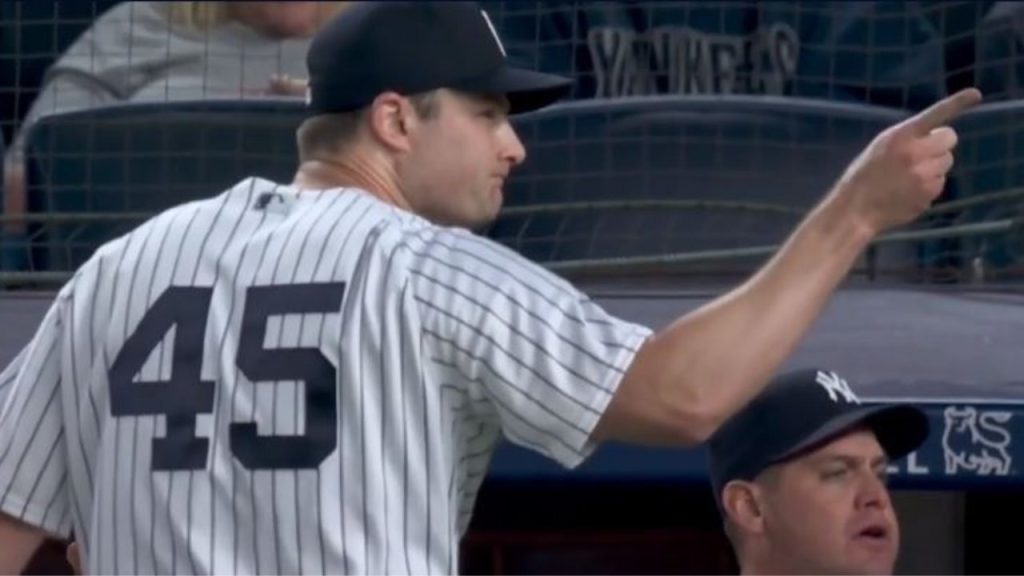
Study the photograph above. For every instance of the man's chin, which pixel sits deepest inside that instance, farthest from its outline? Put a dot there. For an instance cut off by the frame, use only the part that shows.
(483, 222)
(872, 567)
(478, 218)
(479, 225)
(482, 226)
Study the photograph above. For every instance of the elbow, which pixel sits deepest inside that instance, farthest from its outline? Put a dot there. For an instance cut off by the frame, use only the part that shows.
(665, 398)
(700, 398)
(692, 413)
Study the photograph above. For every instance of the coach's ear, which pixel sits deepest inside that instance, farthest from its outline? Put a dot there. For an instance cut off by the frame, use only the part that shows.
(741, 504)
(391, 116)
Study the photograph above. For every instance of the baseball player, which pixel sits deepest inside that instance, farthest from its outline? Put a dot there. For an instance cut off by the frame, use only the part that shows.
(809, 496)
(312, 377)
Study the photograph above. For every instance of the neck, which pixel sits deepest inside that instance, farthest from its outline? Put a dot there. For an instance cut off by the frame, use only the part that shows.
(749, 568)
(323, 173)
(765, 566)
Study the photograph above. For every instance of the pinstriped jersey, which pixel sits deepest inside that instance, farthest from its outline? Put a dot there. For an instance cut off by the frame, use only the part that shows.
(305, 381)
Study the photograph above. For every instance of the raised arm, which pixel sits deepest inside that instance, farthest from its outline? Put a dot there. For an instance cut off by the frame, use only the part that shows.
(690, 377)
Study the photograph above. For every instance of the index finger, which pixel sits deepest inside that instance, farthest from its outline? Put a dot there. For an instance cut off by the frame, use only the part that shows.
(943, 111)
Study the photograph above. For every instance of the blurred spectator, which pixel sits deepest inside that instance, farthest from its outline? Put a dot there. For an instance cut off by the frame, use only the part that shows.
(163, 51)
(153, 51)
(1000, 47)
(32, 36)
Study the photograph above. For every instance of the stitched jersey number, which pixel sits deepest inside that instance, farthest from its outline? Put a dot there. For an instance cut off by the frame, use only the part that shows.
(181, 397)
(186, 395)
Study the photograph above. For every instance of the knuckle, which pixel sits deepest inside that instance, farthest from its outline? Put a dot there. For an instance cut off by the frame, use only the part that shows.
(898, 150)
(945, 138)
(912, 156)
(906, 152)
(887, 140)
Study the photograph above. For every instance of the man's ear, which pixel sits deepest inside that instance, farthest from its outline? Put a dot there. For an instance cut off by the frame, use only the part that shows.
(742, 503)
(391, 117)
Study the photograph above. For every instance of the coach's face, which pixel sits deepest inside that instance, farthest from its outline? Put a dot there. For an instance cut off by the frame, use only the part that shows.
(459, 158)
(829, 512)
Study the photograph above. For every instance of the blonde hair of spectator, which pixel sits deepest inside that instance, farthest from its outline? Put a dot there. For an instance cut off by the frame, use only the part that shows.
(206, 16)
(197, 16)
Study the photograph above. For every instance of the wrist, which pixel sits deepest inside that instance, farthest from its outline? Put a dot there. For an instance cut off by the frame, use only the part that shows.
(843, 218)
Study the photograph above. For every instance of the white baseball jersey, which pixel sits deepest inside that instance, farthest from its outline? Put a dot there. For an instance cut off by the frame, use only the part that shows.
(278, 380)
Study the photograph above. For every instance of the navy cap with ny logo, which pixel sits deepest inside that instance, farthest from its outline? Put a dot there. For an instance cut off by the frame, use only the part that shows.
(414, 47)
(798, 411)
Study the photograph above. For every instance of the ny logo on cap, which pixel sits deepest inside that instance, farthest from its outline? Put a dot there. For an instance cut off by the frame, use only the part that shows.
(493, 32)
(836, 386)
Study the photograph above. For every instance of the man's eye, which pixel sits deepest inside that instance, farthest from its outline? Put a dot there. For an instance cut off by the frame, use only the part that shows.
(834, 473)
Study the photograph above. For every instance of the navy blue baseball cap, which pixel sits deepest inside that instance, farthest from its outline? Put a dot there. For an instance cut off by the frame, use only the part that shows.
(414, 47)
(798, 412)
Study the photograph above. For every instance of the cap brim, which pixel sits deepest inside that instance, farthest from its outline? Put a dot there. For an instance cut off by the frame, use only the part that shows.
(526, 90)
(900, 429)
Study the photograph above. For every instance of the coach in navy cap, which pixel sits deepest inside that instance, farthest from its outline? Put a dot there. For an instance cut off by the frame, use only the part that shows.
(799, 476)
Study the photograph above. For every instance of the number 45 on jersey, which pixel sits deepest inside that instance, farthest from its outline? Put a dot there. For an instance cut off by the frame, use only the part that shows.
(186, 394)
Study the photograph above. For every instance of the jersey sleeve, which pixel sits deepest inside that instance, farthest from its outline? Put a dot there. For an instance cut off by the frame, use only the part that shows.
(10, 374)
(547, 357)
(32, 448)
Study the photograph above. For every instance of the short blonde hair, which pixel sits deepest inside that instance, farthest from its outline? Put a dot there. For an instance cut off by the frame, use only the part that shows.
(205, 16)
(330, 133)
(195, 16)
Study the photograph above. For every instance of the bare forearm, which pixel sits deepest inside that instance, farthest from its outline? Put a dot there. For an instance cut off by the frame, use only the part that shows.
(696, 373)
(18, 542)
(717, 358)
